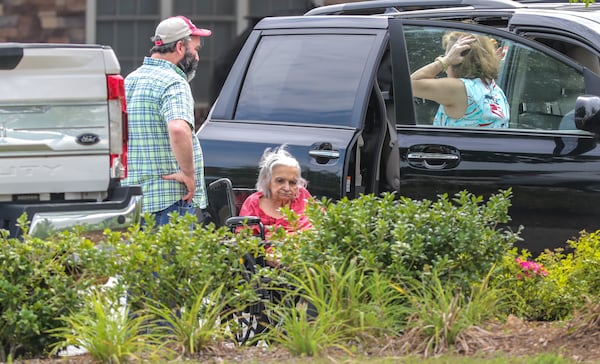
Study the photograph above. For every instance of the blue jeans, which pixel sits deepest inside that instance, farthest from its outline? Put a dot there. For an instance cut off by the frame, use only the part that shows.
(182, 208)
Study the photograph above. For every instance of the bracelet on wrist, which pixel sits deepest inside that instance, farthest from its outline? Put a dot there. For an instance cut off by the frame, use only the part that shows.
(444, 64)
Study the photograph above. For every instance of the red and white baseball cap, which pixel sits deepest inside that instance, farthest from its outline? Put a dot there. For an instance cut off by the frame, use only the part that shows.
(175, 28)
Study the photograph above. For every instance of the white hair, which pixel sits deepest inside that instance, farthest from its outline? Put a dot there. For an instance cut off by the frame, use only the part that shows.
(275, 157)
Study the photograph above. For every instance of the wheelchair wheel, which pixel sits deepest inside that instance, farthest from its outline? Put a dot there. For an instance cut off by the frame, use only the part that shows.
(253, 320)
(251, 323)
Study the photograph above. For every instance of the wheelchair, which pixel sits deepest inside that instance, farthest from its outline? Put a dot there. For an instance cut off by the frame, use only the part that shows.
(253, 319)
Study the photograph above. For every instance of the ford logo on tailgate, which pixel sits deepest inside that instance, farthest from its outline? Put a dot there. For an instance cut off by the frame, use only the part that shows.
(88, 139)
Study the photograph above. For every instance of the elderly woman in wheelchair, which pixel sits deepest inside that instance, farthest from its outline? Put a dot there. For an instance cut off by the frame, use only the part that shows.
(279, 185)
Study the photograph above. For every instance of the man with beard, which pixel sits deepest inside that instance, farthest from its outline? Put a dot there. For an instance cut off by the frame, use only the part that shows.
(164, 154)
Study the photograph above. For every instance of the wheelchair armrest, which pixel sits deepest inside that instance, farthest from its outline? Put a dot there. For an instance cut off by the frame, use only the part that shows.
(237, 221)
(242, 220)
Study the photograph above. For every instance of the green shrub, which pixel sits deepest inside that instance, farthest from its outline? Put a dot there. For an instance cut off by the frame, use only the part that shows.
(170, 264)
(568, 278)
(580, 267)
(360, 246)
(587, 2)
(461, 237)
(41, 280)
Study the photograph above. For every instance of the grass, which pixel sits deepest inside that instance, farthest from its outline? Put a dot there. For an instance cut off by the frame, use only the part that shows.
(193, 328)
(107, 330)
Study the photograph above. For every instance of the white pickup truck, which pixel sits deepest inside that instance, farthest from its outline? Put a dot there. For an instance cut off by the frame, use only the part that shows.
(63, 139)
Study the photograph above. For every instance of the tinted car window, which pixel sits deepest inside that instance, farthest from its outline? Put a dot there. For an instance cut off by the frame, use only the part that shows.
(281, 79)
(541, 90)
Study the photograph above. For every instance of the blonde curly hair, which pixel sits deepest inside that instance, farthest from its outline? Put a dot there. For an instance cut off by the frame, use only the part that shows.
(481, 61)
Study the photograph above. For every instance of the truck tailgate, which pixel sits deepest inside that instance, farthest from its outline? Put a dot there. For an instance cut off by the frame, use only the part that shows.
(54, 123)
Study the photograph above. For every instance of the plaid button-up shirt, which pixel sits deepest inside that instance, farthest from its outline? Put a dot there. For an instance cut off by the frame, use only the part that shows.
(156, 93)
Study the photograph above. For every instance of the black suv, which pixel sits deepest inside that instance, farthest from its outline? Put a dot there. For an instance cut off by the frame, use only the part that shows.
(335, 86)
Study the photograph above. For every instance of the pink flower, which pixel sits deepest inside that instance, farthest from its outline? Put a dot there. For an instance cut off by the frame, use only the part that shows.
(531, 269)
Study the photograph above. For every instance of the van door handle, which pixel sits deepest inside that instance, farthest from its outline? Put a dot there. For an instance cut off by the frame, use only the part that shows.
(432, 156)
(321, 153)
(432, 160)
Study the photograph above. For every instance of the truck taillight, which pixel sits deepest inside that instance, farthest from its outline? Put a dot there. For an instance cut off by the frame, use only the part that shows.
(117, 112)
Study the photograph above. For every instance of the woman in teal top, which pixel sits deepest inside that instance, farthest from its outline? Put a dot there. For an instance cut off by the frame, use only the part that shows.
(469, 96)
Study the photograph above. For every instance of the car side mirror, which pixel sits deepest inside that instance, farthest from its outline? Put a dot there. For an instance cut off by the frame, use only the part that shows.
(587, 113)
